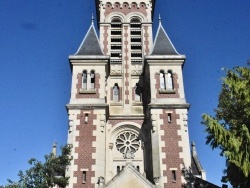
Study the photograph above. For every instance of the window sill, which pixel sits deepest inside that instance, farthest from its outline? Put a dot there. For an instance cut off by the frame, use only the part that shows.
(115, 103)
(137, 104)
(170, 91)
(83, 91)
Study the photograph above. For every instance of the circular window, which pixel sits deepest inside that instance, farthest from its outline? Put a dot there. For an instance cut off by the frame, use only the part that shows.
(127, 141)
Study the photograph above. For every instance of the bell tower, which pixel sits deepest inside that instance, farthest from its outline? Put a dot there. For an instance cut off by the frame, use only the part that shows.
(127, 111)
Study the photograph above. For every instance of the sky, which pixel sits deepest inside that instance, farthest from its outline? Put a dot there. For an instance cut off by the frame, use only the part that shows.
(36, 38)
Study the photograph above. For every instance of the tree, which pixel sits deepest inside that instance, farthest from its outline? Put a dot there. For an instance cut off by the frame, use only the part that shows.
(47, 174)
(229, 129)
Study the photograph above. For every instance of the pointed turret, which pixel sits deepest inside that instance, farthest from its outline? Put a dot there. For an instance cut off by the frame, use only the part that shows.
(90, 44)
(162, 43)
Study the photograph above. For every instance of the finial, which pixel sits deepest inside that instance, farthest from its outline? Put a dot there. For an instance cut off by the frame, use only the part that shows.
(192, 144)
(159, 18)
(92, 19)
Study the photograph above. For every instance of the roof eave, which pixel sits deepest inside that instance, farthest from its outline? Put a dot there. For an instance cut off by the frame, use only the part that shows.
(89, 57)
(170, 57)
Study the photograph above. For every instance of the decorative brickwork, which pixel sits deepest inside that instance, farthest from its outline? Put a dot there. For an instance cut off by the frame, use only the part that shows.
(125, 8)
(146, 41)
(126, 65)
(172, 150)
(85, 150)
(87, 95)
(127, 83)
(126, 92)
(167, 95)
(105, 41)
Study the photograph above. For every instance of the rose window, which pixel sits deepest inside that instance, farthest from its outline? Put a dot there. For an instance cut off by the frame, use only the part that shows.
(127, 141)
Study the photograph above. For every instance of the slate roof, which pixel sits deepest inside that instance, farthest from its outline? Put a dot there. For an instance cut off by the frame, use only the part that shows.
(90, 44)
(162, 43)
(203, 183)
(195, 163)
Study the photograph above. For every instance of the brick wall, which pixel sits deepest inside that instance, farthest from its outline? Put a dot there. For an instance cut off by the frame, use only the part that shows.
(167, 95)
(171, 149)
(146, 41)
(85, 149)
(87, 95)
(105, 40)
(125, 8)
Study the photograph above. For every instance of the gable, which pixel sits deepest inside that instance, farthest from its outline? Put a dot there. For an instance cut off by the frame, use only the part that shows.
(129, 177)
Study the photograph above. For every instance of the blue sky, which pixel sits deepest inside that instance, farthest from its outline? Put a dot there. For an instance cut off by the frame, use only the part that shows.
(36, 38)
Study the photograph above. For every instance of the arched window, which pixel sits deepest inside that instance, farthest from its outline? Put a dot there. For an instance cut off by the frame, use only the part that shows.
(116, 93)
(162, 80)
(116, 40)
(170, 80)
(135, 20)
(118, 169)
(84, 80)
(92, 80)
(136, 40)
(116, 19)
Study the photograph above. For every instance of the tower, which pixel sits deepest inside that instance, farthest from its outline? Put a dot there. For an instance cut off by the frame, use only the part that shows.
(127, 111)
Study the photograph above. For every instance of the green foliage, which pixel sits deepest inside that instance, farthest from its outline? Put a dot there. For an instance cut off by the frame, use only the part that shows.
(229, 129)
(47, 174)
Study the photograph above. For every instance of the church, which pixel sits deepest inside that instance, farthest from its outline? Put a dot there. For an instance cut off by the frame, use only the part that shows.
(128, 115)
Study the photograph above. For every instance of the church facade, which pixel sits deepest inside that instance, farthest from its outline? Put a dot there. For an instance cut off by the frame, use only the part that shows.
(127, 111)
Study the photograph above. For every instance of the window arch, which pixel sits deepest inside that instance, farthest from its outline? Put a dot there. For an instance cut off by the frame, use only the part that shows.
(170, 85)
(88, 80)
(92, 79)
(135, 20)
(84, 80)
(118, 169)
(127, 141)
(162, 80)
(116, 20)
(116, 40)
(136, 39)
(116, 93)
